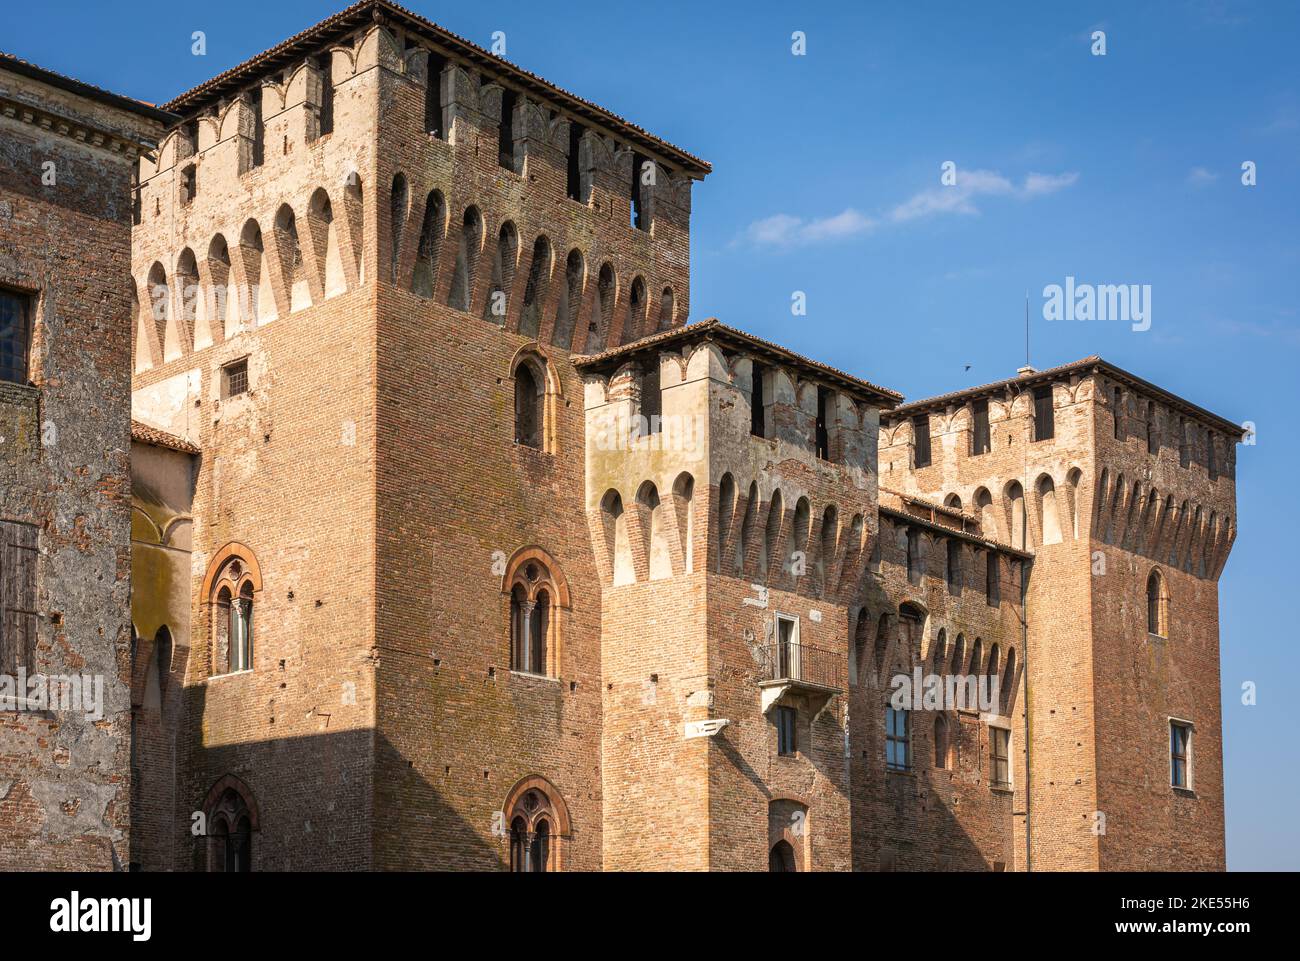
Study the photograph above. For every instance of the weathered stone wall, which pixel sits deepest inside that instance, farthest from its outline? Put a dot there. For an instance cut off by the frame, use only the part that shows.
(65, 241)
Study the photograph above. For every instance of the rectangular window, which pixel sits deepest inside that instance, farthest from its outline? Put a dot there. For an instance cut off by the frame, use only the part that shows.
(1180, 755)
(433, 97)
(635, 210)
(234, 379)
(913, 557)
(1000, 756)
(259, 129)
(574, 184)
(1153, 435)
(189, 184)
(1211, 461)
(757, 412)
(326, 117)
(823, 418)
(18, 553)
(652, 399)
(898, 740)
(15, 335)
(1044, 421)
(980, 442)
(786, 744)
(1184, 444)
(954, 567)
(992, 581)
(921, 442)
(1117, 408)
(506, 131)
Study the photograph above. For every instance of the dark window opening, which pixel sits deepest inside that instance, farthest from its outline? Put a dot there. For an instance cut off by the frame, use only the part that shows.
(15, 336)
(823, 433)
(1153, 437)
(1184, 444)
(913, 558)
(785, 730)
(954, 567)
(326, 117)
(781, 858)
(234, 378)
(921, 434)
(981, 441)
(1117, 407)
(574, 186)
(652, 398)
(506, 131)
(528, 407)
(993, 581)
(259, 129)
(757, 412)
(1044, 416)
(189, 183)
(637, 213)
(1211, 461)
(433, 122)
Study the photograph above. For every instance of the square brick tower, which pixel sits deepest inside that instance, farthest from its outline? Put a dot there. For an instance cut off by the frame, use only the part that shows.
(1124, 495)
(363, 260)
(459, 549)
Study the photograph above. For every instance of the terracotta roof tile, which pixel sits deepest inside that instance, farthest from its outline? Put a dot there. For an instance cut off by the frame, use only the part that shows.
(351, 17)
(160, 438)
(1053, 373)
(712, 327)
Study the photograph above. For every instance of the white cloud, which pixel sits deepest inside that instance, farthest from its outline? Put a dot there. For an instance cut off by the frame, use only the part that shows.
(959, 198)
(784, 230)
(787, 230)
(1200, 177)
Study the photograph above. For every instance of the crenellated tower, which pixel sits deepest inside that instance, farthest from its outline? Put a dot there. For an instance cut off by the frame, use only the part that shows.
(1124, 495)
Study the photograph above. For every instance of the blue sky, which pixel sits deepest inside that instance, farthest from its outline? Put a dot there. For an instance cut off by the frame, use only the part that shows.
(1123, 168)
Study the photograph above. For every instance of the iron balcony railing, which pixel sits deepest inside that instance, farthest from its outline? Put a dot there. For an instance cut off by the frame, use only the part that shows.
(801, 664)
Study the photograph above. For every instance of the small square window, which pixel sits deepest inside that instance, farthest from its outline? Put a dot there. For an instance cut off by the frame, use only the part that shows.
(785, 731)
(234, 379)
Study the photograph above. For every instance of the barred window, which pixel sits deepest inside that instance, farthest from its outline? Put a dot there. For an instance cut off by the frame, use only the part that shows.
(234, 379)
(18, 553)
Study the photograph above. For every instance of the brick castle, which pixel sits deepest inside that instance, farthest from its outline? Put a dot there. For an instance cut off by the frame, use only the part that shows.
(453, 545)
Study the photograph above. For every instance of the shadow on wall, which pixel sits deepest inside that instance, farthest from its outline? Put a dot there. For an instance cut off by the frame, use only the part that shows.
(290, 804)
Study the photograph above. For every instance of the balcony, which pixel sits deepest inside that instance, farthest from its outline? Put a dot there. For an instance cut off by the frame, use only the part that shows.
(790, 670)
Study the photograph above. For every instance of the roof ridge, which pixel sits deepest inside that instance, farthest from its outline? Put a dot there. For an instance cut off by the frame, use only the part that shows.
(379, 7)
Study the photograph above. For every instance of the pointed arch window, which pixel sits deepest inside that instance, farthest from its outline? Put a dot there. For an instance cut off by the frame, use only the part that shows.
(539, 824)
(231, 586)
(536, 593)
